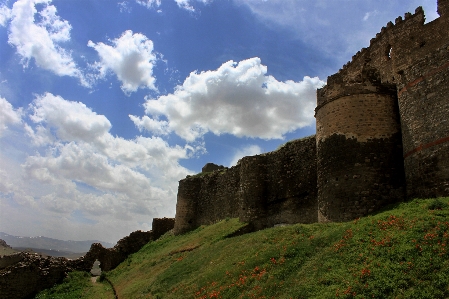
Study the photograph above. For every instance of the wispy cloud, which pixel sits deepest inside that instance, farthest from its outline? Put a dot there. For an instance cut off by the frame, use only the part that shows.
(41, 40)
(124, 6)
(183, 4)
(370, 14)
(149, 3)
(8, 115)
(5, 14)
(315, 22)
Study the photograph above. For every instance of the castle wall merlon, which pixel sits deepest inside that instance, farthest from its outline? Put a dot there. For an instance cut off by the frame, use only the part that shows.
(443, 8)
(385, 55)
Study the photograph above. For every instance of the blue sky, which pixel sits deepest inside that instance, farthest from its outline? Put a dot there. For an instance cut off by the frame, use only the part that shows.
(105, 105)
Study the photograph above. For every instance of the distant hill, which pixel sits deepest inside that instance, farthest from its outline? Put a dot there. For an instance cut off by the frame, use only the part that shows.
(50, 252)
(5, 249)
(50, 246)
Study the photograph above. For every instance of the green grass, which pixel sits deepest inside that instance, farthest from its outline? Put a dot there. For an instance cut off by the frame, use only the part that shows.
(398, 253)
(78, 285)
(7, 251)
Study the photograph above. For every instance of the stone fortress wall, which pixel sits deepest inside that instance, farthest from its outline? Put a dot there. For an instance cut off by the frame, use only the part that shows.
(264, 190)
(382, 136)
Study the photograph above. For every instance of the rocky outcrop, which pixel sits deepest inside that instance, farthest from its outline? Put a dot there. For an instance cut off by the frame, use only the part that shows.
(111, 257)
(30, 274)
(23, 275)
(3, 244)
(9, 260)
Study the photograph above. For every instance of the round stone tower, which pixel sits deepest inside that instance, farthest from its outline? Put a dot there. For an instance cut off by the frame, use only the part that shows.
(359, 152)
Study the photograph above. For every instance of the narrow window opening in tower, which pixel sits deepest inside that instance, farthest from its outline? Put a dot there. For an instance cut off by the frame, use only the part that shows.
(388, 51)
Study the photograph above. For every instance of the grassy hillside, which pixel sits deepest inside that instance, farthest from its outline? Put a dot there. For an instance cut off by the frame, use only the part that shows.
(398, 253)
(79, 285)
(5, 250)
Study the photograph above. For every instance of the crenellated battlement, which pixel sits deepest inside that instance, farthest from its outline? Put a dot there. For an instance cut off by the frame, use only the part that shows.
(391, 95)
(380, 50)
(382, 137)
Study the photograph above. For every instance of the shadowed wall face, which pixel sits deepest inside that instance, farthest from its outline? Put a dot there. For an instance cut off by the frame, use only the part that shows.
(424, 106)
(359, 162)
(264, 190)
(406, 68)
(290, 192)
(188, 194)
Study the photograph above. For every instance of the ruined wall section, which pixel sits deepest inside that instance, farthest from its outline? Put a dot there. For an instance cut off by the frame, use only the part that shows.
(31, 274)
(217, 198)
(286, 193)
(206, 198)
(23, 275)
(111, 257)
(253, 192)
(162, 225)
(186, 204)
(264, 190)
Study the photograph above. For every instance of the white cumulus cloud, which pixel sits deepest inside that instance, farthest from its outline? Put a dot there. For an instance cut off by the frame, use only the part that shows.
(82, 163)
(238, 99)
(81, 166)
(71, 121)
(8, 115)
(40, 40)
(155, 126)
(130, 58)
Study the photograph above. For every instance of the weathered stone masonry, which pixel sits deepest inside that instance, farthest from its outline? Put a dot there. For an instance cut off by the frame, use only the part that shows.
(111, 257)
(382, 136)
(277, 187)
(387, 108)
